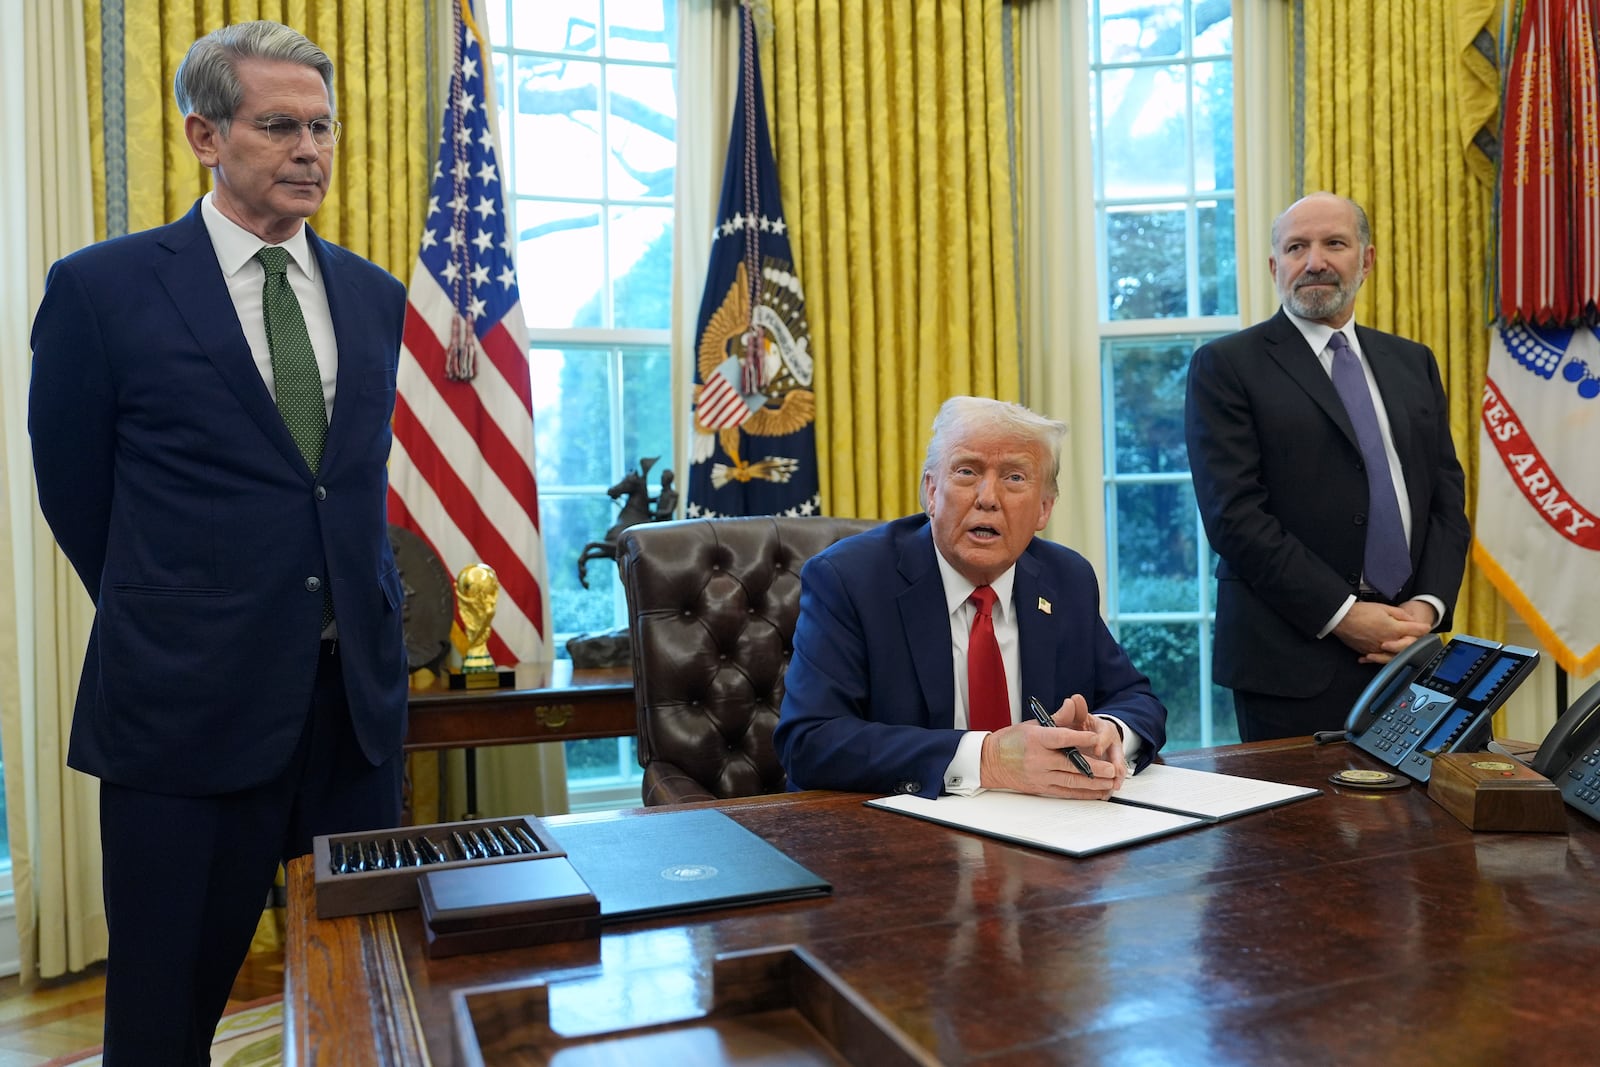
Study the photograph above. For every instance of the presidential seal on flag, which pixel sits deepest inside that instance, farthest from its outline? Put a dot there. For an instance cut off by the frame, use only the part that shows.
(777, 399)
(754, 449)
(1538, 519)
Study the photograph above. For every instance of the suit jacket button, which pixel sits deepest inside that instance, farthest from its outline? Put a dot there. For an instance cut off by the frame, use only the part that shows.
(910, 787)
(321, 493)
(313, 584)
(1353, 579)
(1360, 519)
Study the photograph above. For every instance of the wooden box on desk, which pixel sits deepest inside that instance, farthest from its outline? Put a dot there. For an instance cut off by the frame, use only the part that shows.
(1490, 792)
(487, 907)
(389, 889)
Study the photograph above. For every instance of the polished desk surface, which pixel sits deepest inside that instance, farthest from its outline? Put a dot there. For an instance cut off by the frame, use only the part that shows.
(552, 702)
(1348, 928)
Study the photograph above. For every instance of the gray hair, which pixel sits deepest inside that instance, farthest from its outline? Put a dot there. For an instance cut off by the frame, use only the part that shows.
(962, 416)
(1363, 227)
(207, 82)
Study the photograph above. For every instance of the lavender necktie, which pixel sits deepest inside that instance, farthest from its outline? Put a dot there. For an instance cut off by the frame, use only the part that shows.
(1388, 560)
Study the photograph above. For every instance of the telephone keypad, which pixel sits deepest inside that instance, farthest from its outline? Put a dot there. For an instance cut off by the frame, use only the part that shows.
(1584, 785)
(1392, 729)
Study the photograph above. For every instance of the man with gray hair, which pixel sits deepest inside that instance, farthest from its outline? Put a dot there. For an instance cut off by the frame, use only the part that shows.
(921, 643)
(210, 411)
(1328, 484)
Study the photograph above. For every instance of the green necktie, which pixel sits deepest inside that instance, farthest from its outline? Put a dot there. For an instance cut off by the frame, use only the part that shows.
(295, 377)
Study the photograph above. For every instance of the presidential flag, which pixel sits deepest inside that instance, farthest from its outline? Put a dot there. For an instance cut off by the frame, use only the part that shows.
(461, 474)
(1538, 522)
(755, 445)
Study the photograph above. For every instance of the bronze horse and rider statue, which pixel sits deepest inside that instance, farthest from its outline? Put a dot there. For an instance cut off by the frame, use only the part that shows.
(637, 506)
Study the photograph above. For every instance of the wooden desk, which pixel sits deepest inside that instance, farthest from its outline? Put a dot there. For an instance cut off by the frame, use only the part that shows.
(574, 705)
(1348, 928)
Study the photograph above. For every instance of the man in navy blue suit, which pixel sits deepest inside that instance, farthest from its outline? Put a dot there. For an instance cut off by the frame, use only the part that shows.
(885, 691)
(210, 412)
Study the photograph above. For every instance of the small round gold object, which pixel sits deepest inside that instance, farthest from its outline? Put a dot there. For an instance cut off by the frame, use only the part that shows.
(1493, 765)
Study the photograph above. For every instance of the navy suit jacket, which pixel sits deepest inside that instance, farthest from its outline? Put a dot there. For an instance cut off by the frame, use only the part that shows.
(1282, 491)
(171, 482)
(869, 695)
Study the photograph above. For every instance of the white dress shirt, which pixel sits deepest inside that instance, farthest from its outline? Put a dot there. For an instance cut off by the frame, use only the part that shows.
(236, 248)
(962, 776)
(1318, 335)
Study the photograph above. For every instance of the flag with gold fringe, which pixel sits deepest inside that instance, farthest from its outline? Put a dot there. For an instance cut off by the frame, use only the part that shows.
(1537, 528)
(461, 473)
(754, 445)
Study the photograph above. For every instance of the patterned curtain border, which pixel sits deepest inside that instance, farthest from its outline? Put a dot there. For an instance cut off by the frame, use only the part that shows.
(114, 117)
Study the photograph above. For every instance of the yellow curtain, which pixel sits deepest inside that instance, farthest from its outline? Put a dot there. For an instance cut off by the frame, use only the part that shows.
(145, 175)
(890, 132)
(1390, 100)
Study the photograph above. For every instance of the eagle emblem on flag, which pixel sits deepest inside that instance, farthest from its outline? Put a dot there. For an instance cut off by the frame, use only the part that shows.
(782, 401)
(754, 447)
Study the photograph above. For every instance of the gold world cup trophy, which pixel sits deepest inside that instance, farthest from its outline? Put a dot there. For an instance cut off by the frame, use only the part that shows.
(477, 589)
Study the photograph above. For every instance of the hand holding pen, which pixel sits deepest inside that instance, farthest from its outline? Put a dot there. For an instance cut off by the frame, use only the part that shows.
(1046, 719)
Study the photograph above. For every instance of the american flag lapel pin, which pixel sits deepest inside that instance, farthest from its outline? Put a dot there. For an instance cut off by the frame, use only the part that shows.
(1044, 605)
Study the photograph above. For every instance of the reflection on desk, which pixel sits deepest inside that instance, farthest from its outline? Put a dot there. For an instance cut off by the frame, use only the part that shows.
(1355, 928)
(553, 703)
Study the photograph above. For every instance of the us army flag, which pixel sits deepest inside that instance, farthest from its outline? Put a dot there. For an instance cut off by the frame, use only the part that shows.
(1538, 522)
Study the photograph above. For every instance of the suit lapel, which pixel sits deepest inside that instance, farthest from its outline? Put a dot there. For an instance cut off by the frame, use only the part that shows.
(1395, 390)
(193, 280)
(926, 620)
(344, 306)
(1391, 387)
(1033, 599)
(1287, 347)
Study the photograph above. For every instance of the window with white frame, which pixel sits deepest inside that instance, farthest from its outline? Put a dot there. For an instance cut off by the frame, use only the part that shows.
(587, 98)
(1162, 99)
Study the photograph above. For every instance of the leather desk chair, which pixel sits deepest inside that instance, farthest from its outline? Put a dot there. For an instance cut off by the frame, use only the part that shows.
(712, 605)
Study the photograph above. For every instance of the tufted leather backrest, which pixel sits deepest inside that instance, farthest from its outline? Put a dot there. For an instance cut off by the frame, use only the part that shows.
(712, 605)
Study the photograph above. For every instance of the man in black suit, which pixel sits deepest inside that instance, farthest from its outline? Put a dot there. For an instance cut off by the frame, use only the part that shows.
(210, 411)
(1290, 482)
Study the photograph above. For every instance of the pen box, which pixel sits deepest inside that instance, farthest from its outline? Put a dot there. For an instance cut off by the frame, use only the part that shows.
(486, 907)
(381, 883)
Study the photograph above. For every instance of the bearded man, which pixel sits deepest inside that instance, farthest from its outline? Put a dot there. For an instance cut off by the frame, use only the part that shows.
(1328, 484)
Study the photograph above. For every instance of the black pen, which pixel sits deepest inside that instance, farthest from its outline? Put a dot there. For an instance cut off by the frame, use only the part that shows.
(1047, 719)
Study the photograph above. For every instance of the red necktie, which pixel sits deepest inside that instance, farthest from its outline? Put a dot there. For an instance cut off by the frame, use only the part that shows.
(988, 703)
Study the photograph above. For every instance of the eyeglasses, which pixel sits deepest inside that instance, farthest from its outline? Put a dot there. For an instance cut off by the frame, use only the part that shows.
(324, 132)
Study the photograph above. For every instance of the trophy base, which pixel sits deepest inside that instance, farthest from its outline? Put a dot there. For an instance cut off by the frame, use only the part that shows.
(495, 679)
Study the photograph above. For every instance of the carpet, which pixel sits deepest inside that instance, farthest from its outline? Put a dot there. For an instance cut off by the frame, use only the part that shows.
(249, 1036)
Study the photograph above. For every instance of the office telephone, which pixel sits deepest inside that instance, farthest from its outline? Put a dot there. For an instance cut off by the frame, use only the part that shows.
(1570, 754)
(1436, 697)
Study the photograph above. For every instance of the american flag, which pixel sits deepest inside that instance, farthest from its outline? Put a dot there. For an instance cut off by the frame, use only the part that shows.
(461, 474)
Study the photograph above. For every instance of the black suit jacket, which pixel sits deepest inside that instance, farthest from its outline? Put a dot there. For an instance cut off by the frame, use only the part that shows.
(1282, 491)
(869, 695)
(172, 484)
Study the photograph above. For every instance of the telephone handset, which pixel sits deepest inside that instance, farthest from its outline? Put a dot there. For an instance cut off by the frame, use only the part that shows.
(1436, 697)
(1570, 754)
